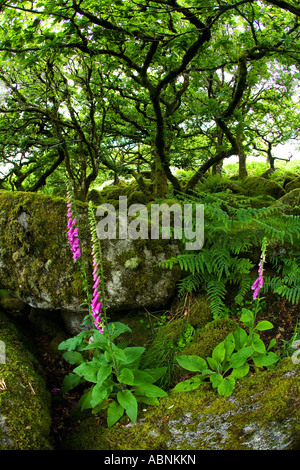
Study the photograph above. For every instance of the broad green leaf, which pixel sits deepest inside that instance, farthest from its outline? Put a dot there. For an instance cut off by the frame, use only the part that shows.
(70, 381)
(257, 344)
(87, 370)
(128, 401)
(226, 387)
(272, 343)
(240, 372)
(73, 357)
(229, 344)
(119, 354)
(215, 379)
(72, 343)
(264, 360)
(141, 377)
(103, 372)
(218, 353)
(192, 363)
(85, 400)
(126, 377)
(240, 337)
(99, 393)
(247, 317)
(117, 328)
(264, 325)
(132, 354)
(240, 357)
(114, 412)
(189, 384)
(150, 390)
(148, 400)
(156, 373)
(213, 364)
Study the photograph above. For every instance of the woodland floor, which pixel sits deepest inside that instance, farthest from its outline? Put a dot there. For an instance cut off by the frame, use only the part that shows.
(283, 316)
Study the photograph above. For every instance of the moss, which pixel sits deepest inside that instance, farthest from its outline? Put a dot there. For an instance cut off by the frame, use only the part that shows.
(256, 186)
(137, 197)
(36, 262)
(25, 402)
(200, 312)
(206, 338)
(294, 184)
(291, 201)
(256, 417)
(33, 228)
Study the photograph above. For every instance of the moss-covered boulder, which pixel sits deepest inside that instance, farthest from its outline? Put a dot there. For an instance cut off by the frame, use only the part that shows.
(294, 184)
(262, 414)
(290, 202)
(258, 186)
(25, 417)
(36, 262)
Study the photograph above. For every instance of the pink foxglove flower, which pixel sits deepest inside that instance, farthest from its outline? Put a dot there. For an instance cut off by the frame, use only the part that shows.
(258, 283)
(96, 303)
(72, 231)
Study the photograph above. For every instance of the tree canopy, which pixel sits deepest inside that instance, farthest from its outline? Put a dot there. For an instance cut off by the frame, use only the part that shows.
(125, 86)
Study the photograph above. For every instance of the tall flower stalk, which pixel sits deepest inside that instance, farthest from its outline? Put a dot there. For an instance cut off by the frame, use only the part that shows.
(258, 283)
(72, 228)
(98, 302)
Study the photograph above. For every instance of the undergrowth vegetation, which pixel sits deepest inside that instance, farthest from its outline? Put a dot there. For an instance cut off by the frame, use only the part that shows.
(234, 232)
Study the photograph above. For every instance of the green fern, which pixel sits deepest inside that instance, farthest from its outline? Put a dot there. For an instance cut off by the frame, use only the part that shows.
(287, 283)
(233, 232)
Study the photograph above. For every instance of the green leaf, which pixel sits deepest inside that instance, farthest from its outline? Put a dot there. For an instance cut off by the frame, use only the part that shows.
(150, 390)
(189, 384)
(141, 377)
(272, 343)
(226, 387)
(264, 325)
(70, 381)
(264, 360)
(216, 379)
(131, 354)
(229, 345)
(73, 357)
(240, 337)
(72, 343)
(117, 328)
(114, 412)
(240, 372)
(128, 401)
(99, 393)
(85, 400)
(247, 317)
(257, 344)
(87, 370)
(213, 363)
(156, 373)
(126, 376)
(218, 353)
(239, 358)
(148, 400)
(103, 372)
(192, 363)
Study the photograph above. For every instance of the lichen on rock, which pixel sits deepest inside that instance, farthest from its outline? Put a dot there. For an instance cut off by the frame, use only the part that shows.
(262, 414)
(35, 260)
